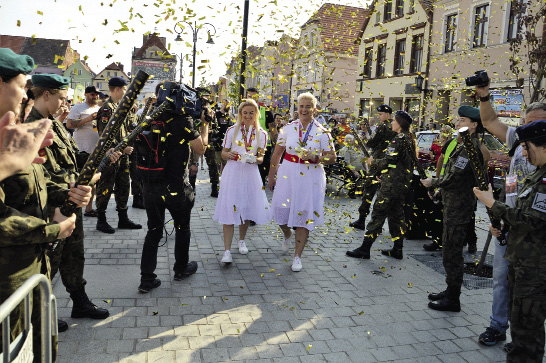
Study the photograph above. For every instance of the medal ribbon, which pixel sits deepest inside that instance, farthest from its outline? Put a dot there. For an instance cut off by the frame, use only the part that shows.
(309, 127)
(248, 143)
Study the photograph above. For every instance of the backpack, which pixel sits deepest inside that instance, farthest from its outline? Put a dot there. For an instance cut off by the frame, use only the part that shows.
(151, 148)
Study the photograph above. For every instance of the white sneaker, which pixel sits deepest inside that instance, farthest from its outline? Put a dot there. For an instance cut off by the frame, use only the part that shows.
(286, 244)
(296, 266)
(227, 257)
(242, 248)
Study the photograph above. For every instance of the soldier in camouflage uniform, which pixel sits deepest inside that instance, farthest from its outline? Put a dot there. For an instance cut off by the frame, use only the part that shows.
(25, 228)
(378, 143)
(459, 202)
(116, 175)
(395, 170)
(63, 161)
(526, 250)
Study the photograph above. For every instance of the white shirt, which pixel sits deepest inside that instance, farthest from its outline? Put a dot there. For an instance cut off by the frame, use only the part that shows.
(239, 146)
(86, 136)
(319, 138)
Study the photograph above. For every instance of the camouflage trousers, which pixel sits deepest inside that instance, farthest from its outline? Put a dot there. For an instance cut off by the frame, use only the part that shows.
(69, 258)
(8, 285)
(453, 238)
(527, 287)
(368, 192)
(389, 204)
(136, 180)
(210, 157)
(114, 178)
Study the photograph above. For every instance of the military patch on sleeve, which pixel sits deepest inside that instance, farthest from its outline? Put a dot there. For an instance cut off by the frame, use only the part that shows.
(104, 119)
(539, 203)
(461, 162)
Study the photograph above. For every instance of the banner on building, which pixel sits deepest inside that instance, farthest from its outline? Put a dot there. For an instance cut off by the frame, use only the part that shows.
(160, 70)
(507, 102)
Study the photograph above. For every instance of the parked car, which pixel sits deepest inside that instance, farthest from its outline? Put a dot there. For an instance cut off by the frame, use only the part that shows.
(498, 164)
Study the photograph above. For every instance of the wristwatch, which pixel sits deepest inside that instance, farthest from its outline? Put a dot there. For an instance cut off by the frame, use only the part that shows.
(486, 98)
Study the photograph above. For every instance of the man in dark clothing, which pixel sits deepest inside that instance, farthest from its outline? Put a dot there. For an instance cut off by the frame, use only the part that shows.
(171, 191)
(378, 143)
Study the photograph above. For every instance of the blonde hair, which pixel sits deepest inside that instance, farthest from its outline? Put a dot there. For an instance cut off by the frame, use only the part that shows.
(245, 103)
(308, 96)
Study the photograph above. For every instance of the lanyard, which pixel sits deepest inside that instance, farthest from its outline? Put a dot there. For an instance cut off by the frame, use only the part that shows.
(248, 143)
(309, 127)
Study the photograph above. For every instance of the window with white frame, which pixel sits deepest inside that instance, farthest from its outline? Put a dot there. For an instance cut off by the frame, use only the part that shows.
(416, 53)
(450, 33)
(399, 56)
(515, 13)
(381, 58)
(481, 22)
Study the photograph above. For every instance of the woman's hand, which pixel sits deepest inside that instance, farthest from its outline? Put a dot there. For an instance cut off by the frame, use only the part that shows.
(80, 195)
(486, 196)
(67, 224)
(427, 182)
(232, 155)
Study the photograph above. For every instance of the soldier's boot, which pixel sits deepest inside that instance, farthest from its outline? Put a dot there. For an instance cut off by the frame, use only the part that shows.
(432, 246)
(472, 246)
(364, 250)
(124, 221)
(396, 250)
(360, 223)
(138, 201)
(102, 224)
(435, 296)
(448, 303)
(62, 325)
(82, 307)
(214, 191)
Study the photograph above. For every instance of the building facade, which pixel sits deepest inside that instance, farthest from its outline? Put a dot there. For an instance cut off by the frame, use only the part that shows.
(79, 73)
(112, 70)
(393, 52)
(472, 35)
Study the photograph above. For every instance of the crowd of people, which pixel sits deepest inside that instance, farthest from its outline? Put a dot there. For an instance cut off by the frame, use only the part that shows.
(40, 162)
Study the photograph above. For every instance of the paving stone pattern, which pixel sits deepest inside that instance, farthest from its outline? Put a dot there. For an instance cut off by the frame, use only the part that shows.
(337, 309)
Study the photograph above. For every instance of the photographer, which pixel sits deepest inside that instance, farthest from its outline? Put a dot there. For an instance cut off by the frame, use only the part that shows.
(170, 189)
(520, 168)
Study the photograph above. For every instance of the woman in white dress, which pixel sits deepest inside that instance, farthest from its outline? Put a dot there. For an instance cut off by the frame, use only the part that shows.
(241, 197)
(300, 182)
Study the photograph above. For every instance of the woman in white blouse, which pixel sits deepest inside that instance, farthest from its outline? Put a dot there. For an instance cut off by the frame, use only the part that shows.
(241, 197)
(300, 182)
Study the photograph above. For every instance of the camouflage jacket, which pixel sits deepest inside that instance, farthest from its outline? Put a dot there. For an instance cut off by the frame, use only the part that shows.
(381, 139)
(456, 185)
(24, 224)
(103, 116)
(61, 157)
(396, 166)
(526, 245)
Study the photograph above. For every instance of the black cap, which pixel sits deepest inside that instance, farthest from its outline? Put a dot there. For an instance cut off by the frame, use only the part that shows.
(403, 115)
(117, 82)
(384, 108)
(103, 95)
(91, 89)
(531, 131)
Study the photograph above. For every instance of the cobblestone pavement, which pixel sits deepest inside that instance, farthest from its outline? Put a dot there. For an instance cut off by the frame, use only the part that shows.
(337, 309)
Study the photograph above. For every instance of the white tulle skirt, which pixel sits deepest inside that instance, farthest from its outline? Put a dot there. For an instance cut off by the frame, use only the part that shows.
(298, 199)
(241, 196)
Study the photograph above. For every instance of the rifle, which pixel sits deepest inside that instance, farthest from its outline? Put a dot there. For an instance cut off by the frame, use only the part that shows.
(105, 140)
(360, 143)
(483, 183)
(142, 126)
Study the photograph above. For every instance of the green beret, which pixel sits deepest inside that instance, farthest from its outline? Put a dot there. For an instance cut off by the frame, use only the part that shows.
(472, 113)
(11, 64)
(52, 81)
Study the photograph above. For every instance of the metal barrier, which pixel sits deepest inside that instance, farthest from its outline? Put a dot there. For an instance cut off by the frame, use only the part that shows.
(20, 350)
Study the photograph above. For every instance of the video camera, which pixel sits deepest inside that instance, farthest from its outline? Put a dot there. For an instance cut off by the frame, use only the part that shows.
(186, 100)
(480, 79)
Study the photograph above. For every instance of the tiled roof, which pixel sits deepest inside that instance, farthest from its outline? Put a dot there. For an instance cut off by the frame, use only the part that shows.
(114, 66)
(339, 26)
(152, 41)
(43, 51)
(12, 42)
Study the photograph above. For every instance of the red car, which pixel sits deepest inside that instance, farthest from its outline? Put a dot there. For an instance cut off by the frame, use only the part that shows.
(498, 164)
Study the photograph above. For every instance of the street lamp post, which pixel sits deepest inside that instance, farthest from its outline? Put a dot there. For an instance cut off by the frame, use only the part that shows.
(195, 30)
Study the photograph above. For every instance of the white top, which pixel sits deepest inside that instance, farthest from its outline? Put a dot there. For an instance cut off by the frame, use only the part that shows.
(520, 168)
(85, 136)
(250, 139)
(319, 138)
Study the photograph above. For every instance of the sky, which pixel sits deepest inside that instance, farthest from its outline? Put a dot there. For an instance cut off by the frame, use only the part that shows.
(107, 31)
